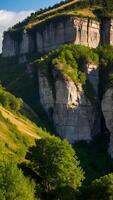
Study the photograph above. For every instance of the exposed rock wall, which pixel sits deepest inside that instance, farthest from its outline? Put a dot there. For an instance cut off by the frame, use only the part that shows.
(54, 34)
(111, 32)
(107, 32)
(73, 115)
(10, 46)
(75, 30)
(107, 108)
(13, 47)
(87, 32)
(27, 44)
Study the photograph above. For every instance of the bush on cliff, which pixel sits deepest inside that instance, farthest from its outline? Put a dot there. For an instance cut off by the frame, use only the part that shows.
(70, 61)
(56, 163)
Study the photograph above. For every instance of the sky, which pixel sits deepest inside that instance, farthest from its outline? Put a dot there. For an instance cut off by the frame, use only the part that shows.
(13, 11)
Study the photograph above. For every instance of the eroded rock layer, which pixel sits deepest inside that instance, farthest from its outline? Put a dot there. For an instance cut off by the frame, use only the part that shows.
(74, 116)
(52, 35)
(107, 108)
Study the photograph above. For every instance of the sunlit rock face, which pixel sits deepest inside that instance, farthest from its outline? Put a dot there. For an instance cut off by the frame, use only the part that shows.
(74, 116)
(75, 30)
(53, 35)
(87, 32)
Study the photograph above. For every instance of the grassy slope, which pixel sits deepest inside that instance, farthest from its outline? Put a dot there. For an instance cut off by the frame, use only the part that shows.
(16, 79)
(17, 133)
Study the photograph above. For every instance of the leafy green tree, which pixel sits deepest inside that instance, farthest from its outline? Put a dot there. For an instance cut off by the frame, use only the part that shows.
(56, 163)
(13, 184)
(100, 189)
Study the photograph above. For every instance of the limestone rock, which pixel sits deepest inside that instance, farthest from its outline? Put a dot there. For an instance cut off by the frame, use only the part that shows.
(10, 46)
(87, 32)
(13, 47)
(107, 32)
(73, 115)
(111, 32)
(75, 30)
(92, 72)
(45, 92)
(71, 30)
(107, 109)
(24, 46)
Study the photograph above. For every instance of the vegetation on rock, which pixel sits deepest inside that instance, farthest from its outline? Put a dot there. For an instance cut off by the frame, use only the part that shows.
(106, 64)
(70, 60)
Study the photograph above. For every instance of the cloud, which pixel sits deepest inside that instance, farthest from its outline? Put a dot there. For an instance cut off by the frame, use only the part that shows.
(8, 19)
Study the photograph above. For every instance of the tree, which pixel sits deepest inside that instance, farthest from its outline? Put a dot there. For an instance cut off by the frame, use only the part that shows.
(56, 163)
(13, 184)
(100, 189)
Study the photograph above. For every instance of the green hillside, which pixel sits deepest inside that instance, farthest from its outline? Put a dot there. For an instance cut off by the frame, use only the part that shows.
(17, 79)
(17, 132)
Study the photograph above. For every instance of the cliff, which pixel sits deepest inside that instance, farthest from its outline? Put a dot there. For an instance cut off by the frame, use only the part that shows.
(72, 104)
(74, 114)
(107, 108)
(52, 35)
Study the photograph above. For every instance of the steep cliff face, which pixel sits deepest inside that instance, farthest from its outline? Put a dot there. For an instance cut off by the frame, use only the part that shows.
(73, 115)
(107, 108)
(12, 46)
(54, 34)
(87, 32)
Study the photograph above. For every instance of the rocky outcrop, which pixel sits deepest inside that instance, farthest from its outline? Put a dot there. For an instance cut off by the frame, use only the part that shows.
(12, 46)
(87, 32)
(74, 30)
(27, 44)
(111, 32)
(73, 115)
(107, 109)
(54, 34)
(107, 32)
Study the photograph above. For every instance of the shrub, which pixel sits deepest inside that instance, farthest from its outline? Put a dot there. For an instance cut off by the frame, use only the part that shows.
(70, 60)
(13, 184)
(10, 101)
(56, 163)
(100, 189)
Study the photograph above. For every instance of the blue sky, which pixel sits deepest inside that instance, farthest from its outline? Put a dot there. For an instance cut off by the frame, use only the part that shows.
(18, 5)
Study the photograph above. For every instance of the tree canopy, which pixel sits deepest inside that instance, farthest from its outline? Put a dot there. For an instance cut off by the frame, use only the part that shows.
(56, 162)
(100, 189)
(13, 184)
